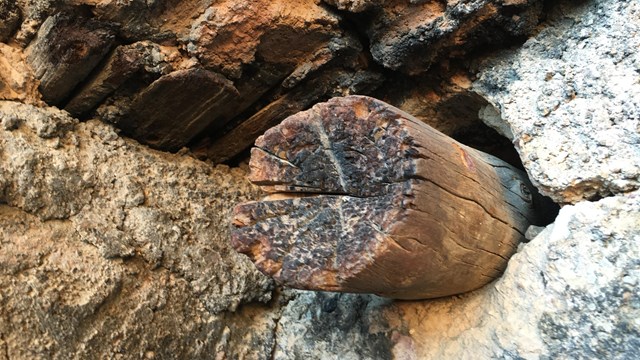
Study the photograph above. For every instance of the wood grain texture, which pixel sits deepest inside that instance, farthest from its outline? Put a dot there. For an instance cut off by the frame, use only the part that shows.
(365, 198)
(66, 49)
(158, 114)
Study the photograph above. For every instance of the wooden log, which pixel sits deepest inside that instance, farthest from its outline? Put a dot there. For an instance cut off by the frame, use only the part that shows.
(65, 51)
(159, 118)
(120, 66)
(365, 198)
(329, 82)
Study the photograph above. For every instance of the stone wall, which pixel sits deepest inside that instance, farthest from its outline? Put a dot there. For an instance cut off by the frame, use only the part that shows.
(112, 247)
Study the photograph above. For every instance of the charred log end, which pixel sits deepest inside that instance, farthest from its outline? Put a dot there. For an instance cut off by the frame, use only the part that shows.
(383, 204)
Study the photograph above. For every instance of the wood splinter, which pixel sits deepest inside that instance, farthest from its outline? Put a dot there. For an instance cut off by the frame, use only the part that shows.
(366, 198)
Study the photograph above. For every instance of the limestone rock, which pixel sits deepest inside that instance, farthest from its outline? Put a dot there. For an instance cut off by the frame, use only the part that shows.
(571, 98)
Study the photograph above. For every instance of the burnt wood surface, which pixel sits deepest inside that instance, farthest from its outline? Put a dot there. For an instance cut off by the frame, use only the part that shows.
(65, 51)
(365, 198)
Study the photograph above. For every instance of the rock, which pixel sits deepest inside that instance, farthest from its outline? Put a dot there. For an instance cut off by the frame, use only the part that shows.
(61, 298)
(34, 13)
(154, 110)
(354, 5)
(10, 16)
(318, 325)
(17, 81)
(119, 246)
(411, 35)
(574, 116)
(571, 291)
(248, 55)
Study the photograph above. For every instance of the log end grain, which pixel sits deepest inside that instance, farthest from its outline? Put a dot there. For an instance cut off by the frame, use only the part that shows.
(365, 198)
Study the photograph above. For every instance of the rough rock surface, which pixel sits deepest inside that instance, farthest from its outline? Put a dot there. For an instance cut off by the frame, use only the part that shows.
(17, 81)
(108, 246)
(572, 291)
(411, 35)
(10, 16)
(264, 60)
(442, 100)
(571, 98)
(108, 249)
(135, 64)
(354, 5)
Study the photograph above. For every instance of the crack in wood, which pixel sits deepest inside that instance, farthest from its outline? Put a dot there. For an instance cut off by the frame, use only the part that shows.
(399, 209)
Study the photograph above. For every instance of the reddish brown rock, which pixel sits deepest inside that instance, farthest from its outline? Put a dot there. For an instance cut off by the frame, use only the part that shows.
(17, 81)
(334, 82)
(121, 66)
(265, 48)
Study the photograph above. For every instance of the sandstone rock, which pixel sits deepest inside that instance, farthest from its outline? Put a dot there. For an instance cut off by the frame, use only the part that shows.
(17, 81)
(570, 97)
(571, 292)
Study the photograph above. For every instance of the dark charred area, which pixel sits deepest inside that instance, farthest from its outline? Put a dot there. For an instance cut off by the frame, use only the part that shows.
(111, 56)
(356, 187)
